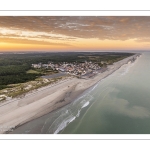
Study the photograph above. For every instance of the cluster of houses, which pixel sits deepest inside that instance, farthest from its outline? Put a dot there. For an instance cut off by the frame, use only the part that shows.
(71, 68)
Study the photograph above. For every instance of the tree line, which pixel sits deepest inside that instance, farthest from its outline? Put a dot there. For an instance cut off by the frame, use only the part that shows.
(14, 67)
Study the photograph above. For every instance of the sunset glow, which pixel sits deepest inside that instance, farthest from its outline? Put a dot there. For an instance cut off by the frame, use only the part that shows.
(74, 33)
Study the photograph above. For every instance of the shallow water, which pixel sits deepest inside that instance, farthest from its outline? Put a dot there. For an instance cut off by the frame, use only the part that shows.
(118, 104)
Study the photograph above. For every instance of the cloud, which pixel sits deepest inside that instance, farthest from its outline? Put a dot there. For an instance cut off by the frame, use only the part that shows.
(30, 41)
(57, 38)
(124, 19)
(143, 40)
(39, 36)
(100, 27)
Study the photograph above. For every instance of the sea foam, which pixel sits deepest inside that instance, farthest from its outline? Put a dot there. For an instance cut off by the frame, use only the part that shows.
(69, 113)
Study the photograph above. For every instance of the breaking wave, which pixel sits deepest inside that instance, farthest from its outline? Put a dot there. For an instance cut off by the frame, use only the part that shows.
(86, 104)
(69, 113)
(125, 68)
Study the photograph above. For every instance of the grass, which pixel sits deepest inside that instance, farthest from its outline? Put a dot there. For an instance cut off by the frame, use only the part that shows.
(20, 89)
(41, 71)
(32, 71)
(2, 98)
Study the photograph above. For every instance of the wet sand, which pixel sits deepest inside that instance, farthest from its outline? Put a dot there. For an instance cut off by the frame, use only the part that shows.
(19, 111)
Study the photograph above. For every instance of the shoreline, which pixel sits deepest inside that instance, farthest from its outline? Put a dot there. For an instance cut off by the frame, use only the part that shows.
(47, 99)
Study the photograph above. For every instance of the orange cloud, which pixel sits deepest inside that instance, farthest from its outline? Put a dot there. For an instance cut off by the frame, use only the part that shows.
(74, 33)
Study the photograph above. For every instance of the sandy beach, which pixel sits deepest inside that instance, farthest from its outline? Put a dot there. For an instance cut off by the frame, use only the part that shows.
(16, 112)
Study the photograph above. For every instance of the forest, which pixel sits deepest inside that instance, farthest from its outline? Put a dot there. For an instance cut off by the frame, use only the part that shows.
(14, 66)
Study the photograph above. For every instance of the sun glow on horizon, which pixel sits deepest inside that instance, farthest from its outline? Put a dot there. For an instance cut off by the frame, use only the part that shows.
(74, 33)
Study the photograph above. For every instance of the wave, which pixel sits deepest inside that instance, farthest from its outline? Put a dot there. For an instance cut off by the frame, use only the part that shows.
(69, 113)
(126, 68)
(86, 104)
(129, 65)
(64, 124)
(94, 86)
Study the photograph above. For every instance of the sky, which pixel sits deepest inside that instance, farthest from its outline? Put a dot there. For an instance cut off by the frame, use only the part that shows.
(74, 33)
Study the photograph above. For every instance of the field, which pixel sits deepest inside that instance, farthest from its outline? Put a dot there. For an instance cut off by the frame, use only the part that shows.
(32, 71)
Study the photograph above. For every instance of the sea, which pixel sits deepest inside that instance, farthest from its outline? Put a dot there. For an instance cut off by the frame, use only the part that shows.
(118, 104)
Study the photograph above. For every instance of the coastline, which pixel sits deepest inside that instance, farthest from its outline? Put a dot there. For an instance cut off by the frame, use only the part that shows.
(50, 98)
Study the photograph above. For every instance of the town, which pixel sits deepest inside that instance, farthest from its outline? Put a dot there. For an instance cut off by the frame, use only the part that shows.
(84, 69)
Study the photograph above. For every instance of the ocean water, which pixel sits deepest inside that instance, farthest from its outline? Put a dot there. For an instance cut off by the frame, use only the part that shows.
(118, 104)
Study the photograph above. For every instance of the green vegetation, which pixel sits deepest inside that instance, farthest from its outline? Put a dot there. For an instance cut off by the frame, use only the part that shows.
(16, 68)
(104, 59)
(23, 88)
(43, 71)
(32, 71)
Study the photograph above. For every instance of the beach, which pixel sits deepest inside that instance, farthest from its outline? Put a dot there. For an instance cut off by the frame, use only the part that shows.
(19, 111)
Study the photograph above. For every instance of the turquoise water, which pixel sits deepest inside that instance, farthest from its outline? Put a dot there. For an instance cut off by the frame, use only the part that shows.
(119, 104)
